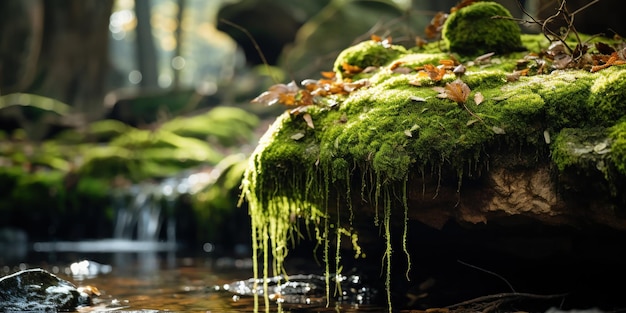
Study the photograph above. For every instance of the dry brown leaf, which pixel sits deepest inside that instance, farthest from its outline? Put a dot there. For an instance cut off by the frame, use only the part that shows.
(435, 73)
(457, 91)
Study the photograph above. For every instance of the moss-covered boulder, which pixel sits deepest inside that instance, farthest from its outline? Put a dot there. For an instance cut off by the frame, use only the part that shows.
(508, 141)
(480, 28)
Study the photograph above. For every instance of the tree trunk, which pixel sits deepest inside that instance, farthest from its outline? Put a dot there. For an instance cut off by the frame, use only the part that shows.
(56, 49)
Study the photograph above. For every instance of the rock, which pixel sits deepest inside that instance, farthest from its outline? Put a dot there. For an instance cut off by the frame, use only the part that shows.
(473, 30)
(38, 290)
(534, 166)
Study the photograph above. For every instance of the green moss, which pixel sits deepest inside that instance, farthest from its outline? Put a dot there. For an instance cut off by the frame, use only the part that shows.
(607, 102)
(226, 125)
(106, 130)
(618, 148)
(381, 136)
(582, 149)
(566, 94)
(472, 30)
(367, 53)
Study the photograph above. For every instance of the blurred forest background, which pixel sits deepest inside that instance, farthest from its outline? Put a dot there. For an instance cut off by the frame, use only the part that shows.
(122, 118)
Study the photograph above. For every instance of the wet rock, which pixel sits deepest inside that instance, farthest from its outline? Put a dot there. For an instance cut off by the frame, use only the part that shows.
(38, 290)
(306, 289)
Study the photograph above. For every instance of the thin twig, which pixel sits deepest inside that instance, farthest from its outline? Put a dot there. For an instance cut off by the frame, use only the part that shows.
(256, 46)
(489, 272)
(507, 296)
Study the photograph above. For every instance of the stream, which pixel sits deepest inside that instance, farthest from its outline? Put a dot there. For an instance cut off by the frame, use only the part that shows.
(158, 278)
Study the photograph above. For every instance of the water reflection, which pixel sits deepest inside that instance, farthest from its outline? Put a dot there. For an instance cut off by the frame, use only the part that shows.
(171, 280)
(140, 280)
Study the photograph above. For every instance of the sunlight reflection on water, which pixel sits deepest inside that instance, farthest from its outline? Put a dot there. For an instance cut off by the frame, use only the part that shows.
(139, 276)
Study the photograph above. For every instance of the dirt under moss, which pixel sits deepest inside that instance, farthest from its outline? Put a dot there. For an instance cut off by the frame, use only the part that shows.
(398, 127)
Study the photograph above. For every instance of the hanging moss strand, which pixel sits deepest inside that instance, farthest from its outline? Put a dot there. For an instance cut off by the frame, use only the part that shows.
(338, 290)
(387, 226)
(326, 244)
(406, 226)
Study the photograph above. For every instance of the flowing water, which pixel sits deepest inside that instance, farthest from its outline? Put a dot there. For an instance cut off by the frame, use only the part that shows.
(145, 268)
(160, 278)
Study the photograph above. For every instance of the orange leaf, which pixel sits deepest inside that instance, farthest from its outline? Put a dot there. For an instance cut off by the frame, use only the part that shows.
(434, 73)
(446, 62)
(329, 74)
(612, 59)
(351, 69)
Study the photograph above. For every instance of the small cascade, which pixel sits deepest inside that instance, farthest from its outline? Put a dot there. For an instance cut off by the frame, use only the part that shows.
(143, 209)
(140, 212)
(145, 213)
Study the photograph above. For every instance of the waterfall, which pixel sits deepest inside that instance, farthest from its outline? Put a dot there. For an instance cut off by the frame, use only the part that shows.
(145, 213)
(143, 209)
(140, 212)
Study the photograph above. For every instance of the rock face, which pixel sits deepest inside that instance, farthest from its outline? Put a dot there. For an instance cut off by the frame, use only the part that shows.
(38, 290)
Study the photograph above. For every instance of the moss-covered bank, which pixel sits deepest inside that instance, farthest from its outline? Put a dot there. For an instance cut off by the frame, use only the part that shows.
(401, 126)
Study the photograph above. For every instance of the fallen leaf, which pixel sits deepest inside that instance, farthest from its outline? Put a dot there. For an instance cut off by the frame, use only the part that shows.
(498, 130)
(297, 136)
(459, 70)
(485, 58)
(457, 91)
(435, 73)
(470, 122)
(409, 132)
(478, 98)
(417, 99)
(309, 120)
(350, 69)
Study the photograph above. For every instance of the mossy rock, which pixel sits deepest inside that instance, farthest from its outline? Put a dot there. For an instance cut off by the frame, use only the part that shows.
(386, 147)
(228, 126)
(473, 30)
(366, 54)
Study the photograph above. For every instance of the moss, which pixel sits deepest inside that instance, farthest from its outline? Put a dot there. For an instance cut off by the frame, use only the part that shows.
(584, 149)
(367, 53)
(472, 30)
(225, 125)
(106, 130)
(41, 191)
(382, 136)
(607, 102)
(618, 148)
(566, 94)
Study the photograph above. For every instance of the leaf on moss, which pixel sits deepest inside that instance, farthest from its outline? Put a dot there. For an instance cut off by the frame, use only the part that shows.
(309, 121)
(479, 98)
(498, 130)
(417, 99)
(441, 92)
(297, 136)
(472, 121)
(278, 93)
(350, 69)
(457, 91)
(433, 72)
